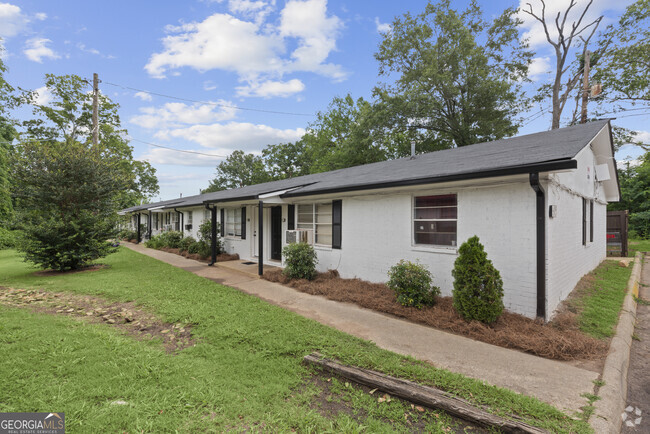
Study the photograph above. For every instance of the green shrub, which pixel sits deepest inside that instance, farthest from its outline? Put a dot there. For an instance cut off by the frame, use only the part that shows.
(640, 224)
(300, 261)
(478, 288)
(169, 239)
(8, 239)
(204, 249)
(194, 248)
(205, 235)
(412, 284)
(127, 234)
(185, 243)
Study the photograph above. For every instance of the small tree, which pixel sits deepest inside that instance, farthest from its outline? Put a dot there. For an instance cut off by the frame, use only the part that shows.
(412, 284)
(205, 239)
(300, 261)
(478, 288)
(68, 198)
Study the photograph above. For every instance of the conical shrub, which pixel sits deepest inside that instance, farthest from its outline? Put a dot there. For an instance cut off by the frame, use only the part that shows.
(478, 288)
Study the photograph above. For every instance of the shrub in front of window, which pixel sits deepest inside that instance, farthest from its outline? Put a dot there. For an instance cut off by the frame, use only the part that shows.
(128, 234)
(205, 236)
(185, 243)
(412, 284)
(478, 288)
(300, 261)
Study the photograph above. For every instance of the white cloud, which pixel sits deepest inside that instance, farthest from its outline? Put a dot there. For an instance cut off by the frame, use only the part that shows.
(43, 95)
(209, 85)
(36, 49)
(316, 33)
(221, 41)
(41, 16)
(257, 10)
(253, 47)
(167, 156)
(225, 138)
(12, 20)
(382, 27)
(534, 30)
(144, 96)
(539, 66)
(177, 114)
(271, 88)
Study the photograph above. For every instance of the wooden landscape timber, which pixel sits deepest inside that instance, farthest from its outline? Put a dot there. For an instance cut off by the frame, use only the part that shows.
(422, 395)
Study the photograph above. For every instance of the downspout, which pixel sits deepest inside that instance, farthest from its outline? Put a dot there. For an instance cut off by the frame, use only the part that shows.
(260, 231)
(182, 220)
(541, 244)
(213, 246)
(138, 230)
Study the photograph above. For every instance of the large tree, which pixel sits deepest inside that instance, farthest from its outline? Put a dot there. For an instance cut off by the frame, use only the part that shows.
(68, 195)
(238, 170)
(343, 136)
(67, 118)
(458, 76)
(7, 134)
(624, 67)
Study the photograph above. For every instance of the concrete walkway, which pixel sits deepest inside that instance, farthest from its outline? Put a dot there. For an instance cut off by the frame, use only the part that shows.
(557, 383)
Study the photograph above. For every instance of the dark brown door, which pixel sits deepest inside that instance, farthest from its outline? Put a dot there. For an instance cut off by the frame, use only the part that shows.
(276, 233)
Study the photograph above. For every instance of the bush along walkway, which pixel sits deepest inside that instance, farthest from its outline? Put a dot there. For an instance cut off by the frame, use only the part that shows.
(557, 383)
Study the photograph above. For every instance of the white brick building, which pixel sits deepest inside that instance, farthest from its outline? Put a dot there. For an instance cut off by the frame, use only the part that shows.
(537, 203)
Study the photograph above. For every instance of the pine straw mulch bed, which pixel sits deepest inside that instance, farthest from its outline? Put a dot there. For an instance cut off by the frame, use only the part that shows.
(559, 339)
(221, 257)
(127, 317)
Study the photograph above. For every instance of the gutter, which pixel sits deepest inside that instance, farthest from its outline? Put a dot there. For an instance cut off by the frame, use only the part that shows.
(518, 170)
(541, 243)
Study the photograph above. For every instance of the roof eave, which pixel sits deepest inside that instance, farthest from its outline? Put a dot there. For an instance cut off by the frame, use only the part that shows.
(540, 167)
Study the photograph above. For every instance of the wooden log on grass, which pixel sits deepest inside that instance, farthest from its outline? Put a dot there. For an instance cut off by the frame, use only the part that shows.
(422, 395)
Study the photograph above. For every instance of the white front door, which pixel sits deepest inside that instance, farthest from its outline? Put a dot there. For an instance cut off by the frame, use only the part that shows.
(254, 228)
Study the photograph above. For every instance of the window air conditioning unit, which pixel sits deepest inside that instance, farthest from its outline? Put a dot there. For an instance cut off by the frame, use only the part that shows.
(299, 236)
(188, 227)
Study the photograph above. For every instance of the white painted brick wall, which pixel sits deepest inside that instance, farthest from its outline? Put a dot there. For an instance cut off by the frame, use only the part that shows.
(567, 259)
(377, 234)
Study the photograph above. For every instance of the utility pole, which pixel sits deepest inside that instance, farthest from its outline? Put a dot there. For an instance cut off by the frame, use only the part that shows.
(585, 87)
(95, 109)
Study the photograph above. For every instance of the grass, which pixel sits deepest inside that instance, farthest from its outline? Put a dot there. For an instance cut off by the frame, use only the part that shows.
(637, 245)
(245, 373)
(600, 303)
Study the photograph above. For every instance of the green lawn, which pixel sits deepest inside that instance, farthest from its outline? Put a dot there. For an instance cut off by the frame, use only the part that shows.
(637, 245)
(244, 373)
(600, 304)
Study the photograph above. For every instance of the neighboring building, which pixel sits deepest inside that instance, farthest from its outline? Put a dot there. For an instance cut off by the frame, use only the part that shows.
(537, 202)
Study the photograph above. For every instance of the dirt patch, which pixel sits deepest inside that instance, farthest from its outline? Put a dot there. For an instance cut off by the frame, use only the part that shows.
(330, 404)
(125, 316)
(93, 267)
(560, 339)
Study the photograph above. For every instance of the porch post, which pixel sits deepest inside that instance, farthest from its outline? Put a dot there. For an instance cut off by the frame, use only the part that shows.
(149, 225)
(260, 239)
(138, 230)
(213, 216)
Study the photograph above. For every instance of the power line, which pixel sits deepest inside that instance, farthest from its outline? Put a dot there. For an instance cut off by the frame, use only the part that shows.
(177, 150)
(208, 102)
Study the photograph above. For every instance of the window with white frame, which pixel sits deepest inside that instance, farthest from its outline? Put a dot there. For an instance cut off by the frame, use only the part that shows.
(189, 217)
(207, 215)
(317, 217)
(233, 222)
(155, 220)
(435, 220)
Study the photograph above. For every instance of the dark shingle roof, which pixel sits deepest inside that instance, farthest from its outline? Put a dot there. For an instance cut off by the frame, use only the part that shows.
(529, 152)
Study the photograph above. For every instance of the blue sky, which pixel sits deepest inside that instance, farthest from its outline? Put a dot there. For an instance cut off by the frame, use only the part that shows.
(269, 56)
